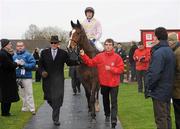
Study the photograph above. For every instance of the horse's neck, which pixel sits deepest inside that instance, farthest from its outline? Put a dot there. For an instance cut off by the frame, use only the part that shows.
(88, 48)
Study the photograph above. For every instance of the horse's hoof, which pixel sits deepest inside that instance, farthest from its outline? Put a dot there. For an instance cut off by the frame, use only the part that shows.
(93, 121)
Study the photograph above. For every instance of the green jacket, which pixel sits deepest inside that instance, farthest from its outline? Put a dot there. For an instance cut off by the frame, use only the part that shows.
(176, 88)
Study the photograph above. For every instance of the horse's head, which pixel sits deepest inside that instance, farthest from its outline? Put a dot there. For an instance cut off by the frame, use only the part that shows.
(75, 35)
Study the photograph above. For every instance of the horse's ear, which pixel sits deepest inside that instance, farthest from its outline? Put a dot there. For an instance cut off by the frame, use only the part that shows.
(78, 23)
(72, 24)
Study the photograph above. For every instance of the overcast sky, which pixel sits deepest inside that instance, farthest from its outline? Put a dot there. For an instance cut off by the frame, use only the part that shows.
(120, 19)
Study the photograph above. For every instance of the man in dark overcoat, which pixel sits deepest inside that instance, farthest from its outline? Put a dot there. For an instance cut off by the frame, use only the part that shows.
(51, 66)
(8, 86)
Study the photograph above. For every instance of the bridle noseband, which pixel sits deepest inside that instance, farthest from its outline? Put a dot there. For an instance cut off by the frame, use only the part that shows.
(77, 44)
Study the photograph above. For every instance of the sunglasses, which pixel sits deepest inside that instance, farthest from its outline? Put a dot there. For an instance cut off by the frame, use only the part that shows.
(54, 42)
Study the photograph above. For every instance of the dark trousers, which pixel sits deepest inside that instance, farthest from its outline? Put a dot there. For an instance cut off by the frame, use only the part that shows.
(133, 71)
(122, 77)
(176, 104)
(113, 92)
(5, 108)
(76, 84)
(140, 79)
(162, 114)
(37, 76)
(56, 111)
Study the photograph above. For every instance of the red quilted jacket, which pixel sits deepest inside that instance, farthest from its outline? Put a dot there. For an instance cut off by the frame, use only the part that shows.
(110, 78)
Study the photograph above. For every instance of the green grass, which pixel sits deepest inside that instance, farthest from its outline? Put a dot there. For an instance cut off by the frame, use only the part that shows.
(66, 72)
(136, 112)
(19, 119)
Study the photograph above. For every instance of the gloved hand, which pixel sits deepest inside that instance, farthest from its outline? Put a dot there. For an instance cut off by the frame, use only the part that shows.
(141, 59)
(44, 74)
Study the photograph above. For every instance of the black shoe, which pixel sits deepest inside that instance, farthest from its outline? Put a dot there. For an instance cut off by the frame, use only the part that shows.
(56, 123)
(113, 125)
(74, 94)
(33, 113)
(107, 119)
(6, 114)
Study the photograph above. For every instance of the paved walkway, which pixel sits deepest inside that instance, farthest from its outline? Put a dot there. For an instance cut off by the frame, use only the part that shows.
(74, 114)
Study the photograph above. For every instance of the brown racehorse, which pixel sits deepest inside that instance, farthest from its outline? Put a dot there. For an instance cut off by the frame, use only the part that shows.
(89, 76)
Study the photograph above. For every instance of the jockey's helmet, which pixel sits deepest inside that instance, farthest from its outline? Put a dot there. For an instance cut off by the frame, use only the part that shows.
(89, 9)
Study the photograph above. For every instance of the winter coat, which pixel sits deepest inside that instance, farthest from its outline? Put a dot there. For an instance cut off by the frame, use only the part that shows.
(131, 53)
(8, 85)
(160, 75)
(110, 77)
(142, 58)
(176, 87)
(53, 84)
(28, 66)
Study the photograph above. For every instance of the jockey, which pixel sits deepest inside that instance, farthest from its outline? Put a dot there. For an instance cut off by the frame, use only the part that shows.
(92, 28)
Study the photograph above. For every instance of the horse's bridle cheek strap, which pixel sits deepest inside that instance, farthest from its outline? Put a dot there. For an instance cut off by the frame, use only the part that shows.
(74, 41)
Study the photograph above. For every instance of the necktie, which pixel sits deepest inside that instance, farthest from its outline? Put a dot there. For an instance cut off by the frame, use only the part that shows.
(54, 54)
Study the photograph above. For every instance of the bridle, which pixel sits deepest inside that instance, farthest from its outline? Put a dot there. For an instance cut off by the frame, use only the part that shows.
(74, 41)
(76, 48)
(80, 34)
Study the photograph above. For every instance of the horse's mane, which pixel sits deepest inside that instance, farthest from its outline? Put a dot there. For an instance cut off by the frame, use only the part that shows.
(86, 45)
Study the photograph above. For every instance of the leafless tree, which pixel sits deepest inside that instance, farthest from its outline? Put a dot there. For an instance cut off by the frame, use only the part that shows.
(34, 33)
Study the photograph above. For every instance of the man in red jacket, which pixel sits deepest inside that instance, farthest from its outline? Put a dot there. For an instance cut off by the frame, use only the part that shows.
(110, 65)
(141, 57)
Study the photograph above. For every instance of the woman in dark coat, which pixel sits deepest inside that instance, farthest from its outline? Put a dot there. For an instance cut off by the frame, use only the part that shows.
(8, 86)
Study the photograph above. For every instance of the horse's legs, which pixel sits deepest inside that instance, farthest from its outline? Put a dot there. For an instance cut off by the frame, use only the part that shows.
(92, 104)
(88, 98)
(97, 107)
(93, 99)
